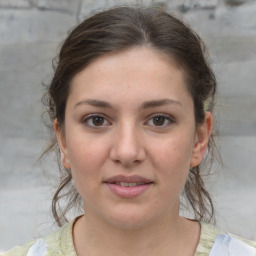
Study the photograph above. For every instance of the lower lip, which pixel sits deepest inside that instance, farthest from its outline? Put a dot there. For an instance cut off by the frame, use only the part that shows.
(128, 192)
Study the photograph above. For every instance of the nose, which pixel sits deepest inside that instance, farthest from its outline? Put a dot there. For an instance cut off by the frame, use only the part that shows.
(127, 148)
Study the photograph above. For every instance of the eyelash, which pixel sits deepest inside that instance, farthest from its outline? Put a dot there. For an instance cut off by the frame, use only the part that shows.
(89, 118)
(167, 118)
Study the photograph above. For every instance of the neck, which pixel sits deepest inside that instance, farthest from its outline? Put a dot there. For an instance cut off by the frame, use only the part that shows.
(166, 236)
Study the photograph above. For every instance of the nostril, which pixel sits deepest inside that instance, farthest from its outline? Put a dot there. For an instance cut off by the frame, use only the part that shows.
(127, 157)
(127, 147)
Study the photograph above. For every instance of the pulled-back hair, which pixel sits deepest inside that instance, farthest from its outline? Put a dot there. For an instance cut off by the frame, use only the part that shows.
(116, 30)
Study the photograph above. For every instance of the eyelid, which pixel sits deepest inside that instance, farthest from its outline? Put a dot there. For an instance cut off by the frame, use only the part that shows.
(90, 116)
(166, 116)
(160, 114)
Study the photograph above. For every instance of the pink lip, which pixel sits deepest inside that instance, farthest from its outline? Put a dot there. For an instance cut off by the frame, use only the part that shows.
(122, 178)
(128, 192)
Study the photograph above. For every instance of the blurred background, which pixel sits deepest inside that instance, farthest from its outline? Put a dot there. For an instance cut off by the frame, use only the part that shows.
(30, 35)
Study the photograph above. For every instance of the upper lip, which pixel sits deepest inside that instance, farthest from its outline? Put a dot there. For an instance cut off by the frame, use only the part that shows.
(128, 179)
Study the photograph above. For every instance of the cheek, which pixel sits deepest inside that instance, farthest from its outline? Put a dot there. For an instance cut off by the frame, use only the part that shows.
(172, 158)
(86, 155)
(86, 159)
(176, 151)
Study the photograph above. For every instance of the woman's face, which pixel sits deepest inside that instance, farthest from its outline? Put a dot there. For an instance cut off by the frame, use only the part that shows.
(130, 137)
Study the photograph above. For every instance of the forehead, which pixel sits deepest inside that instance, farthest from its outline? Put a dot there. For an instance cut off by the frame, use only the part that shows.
(137, 73)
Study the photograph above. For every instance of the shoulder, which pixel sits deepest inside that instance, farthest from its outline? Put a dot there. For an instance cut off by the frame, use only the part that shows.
(19, 250)
(208, 235)
(212, 237)
(249, 242)
(57, 243)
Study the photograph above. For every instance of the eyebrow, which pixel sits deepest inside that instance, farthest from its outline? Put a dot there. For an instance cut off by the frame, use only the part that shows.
(158, 103)
(95, 103)
(147, 104)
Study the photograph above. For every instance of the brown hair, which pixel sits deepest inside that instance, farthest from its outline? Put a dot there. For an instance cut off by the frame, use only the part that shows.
(115, 30)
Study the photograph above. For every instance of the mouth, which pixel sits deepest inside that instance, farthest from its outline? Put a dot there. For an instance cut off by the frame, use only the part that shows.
(128, 186)
(124, 180)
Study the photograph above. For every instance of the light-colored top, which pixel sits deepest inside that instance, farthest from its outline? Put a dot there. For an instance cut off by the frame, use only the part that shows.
(60, 243)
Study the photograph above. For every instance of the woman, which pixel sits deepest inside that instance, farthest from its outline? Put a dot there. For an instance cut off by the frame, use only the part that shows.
(131, 104)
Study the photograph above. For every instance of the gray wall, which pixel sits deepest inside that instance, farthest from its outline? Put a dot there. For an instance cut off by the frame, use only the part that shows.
(30, 33)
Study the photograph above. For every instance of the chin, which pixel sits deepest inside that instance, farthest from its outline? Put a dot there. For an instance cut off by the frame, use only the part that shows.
(130, 219)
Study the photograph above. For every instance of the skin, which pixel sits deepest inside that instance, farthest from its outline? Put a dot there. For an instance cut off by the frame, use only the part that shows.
(159, 142)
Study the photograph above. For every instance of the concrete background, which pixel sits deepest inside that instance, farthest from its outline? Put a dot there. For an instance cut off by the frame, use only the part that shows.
(30, 34)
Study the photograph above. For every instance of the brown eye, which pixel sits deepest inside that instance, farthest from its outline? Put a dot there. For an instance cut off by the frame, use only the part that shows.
(95, 121)
(159, 120)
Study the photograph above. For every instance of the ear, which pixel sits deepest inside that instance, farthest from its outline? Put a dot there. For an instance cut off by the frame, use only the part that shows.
(203, 134)
(62, 144)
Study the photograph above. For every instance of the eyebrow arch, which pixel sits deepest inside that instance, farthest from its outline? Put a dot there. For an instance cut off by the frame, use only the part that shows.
(147, 104)
(158, 103)
(95, 103)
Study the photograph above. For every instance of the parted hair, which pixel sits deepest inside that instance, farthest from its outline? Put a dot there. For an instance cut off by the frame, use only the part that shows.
(116, 30)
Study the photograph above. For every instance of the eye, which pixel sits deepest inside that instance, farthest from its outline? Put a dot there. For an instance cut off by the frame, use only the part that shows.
(95, 121)
(160, 121)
